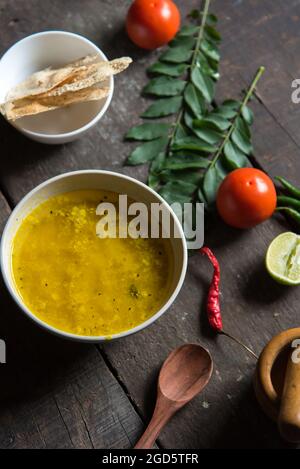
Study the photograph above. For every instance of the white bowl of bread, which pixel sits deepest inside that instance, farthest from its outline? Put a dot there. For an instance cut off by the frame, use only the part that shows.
(56, 85)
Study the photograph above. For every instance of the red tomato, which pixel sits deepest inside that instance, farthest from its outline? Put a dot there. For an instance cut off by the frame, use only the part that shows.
(246, 197)
(152, 23)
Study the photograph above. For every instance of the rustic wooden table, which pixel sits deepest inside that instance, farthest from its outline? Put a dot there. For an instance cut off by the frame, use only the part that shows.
(55, 394)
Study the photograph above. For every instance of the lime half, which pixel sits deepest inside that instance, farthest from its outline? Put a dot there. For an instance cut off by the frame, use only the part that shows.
(283, 259)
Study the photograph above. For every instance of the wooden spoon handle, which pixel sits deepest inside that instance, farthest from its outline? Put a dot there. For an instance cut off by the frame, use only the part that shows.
(163, 412)
(151, 433)
(289, 416)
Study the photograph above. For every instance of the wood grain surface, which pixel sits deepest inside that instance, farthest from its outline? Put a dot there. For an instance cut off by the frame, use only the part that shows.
(57, 394)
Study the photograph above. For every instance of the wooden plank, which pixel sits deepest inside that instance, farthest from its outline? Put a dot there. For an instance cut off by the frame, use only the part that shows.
(57, 394)
(55, 402)
(269, 37)
(226, 414)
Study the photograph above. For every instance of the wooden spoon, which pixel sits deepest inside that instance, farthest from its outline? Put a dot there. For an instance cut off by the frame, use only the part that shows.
(184, 374)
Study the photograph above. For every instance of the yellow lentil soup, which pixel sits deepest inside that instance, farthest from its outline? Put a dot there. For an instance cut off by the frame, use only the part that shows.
(80, 283)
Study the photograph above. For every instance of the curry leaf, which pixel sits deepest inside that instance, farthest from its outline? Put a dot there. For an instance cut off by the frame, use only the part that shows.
(172, 70)
(171, 196)
(188, 31)
(194, 100)
(191, 155)
(210, 50)
(212, 19)
(218, 121)
(206, 66)
(202, 198)
(234, 146)
(234, 157)
(180, 132)
(214, 121)
(189, 119)
(243, 127)
(164, 86)
(247, 114)
(157, 164)
(147, 151)
(176, 55)
(163, 107)
(212, 34)
(208, 135)
(187, 42)
(203, 83)
(183, 175)
(211, 184)
(195, 14)
(221, 168)
(154, 178)
(153, 181)
(241, 141)
(177, 191)
(183, 162)
(226, 112)
(214, 64)
(205, 133)
(149, 131)
(232, 103)
(192, 143)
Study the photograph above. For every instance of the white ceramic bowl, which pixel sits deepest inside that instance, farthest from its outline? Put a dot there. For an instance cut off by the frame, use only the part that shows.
(36, 52)
(92, 179)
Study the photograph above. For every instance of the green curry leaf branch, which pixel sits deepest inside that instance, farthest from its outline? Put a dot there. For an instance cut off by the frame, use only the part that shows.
(191, 155)
(234, 148)
(184, 77)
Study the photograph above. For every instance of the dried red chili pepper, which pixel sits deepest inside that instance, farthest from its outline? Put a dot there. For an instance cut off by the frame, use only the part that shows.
(213, 300)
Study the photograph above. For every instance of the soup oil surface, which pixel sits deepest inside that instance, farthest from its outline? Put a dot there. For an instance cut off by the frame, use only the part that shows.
(82, 284)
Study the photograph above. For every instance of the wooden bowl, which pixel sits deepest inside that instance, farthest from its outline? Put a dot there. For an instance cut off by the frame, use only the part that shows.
(271, 369)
